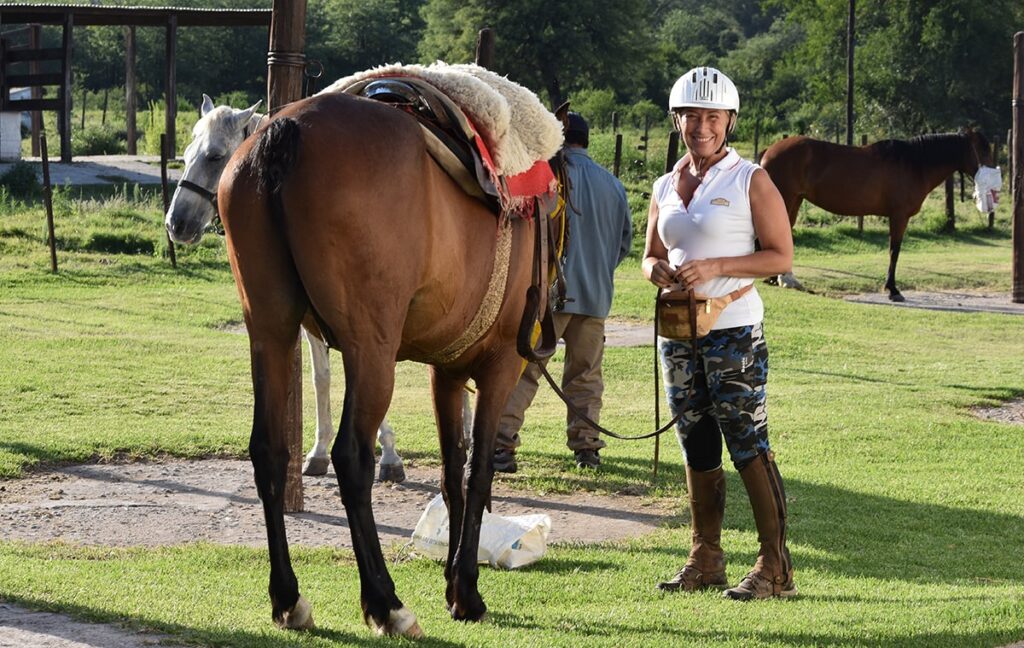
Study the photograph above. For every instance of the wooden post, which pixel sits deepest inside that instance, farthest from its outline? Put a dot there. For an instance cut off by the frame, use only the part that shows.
(673, 151)
(48, 201)
(950, 212)
(1011, 158)
(65, 116)
(1018, 180)
(35, 42)
(618, 154)
(166, 196)
(130, 92)
(171, 87)
(85, 101)
(615, 121)
(850, 42)
(285, 65)
(106, 102)
(485, 48)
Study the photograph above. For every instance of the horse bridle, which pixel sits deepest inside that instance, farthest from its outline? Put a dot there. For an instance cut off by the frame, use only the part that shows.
(211, 195)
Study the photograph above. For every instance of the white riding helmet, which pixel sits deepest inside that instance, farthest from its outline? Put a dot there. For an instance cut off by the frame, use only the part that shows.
(704, 87)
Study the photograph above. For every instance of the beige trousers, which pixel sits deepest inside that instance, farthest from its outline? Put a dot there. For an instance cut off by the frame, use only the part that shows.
(581, 382)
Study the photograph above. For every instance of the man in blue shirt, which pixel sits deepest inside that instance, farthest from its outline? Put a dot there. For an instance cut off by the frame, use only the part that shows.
(600, 237)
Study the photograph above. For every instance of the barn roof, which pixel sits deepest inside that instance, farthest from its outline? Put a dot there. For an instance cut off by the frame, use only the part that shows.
(17, 13)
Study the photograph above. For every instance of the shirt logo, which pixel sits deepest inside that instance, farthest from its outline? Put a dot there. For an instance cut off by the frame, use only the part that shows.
(721, 202)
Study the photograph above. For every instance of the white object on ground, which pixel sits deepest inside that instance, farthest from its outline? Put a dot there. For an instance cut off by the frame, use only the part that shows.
(507, 542)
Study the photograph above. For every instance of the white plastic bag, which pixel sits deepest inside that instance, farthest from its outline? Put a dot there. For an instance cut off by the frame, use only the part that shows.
(507, 542)
(988, 182)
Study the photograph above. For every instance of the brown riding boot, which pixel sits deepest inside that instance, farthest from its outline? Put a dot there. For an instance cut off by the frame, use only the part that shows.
(705, 568)
(772, 575)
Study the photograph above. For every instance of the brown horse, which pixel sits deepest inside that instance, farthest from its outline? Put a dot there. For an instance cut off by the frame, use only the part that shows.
(337, 218)
(889, 178)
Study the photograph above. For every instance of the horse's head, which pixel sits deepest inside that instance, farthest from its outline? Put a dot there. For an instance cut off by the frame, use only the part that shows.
(215, 137)
(978, 151)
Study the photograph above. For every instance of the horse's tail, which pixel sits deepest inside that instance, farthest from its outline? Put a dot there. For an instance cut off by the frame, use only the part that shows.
(274, 154)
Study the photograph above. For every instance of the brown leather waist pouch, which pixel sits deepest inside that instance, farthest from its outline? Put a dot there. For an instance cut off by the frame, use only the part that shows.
(686, 315)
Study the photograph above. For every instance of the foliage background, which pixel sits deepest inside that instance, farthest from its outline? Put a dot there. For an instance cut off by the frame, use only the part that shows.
(920, 66)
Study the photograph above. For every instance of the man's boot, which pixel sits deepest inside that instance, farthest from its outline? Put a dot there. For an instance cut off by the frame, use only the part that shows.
(705, 568)
(772, 575)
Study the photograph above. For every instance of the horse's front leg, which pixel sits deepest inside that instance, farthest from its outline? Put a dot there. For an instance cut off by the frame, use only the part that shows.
(272, 372)
(369, 385)
(318, 458)
(493, 389)
(897, 228)
(449, 410)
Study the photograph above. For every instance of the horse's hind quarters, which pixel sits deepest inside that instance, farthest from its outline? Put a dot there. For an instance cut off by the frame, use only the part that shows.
(401, 622)
(300, 617)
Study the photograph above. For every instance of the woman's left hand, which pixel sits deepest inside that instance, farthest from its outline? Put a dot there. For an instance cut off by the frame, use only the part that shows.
(693, 273)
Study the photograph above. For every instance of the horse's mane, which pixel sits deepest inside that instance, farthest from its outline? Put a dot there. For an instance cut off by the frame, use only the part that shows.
(923, 150)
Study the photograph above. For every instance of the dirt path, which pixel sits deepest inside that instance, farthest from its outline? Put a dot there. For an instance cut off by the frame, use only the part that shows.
(176, 502)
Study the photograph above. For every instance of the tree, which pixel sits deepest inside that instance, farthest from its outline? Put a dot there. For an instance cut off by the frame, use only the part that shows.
(556, 47)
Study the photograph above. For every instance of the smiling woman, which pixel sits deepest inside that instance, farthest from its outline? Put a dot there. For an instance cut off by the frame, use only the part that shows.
(704, 219)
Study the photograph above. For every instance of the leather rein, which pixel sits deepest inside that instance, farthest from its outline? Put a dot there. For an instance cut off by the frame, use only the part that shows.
(657, 374)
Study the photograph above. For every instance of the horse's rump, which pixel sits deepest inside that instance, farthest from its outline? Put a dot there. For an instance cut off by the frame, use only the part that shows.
(361, 197)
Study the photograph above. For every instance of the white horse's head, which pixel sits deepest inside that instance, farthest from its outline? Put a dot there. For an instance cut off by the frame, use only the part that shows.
(215, 137)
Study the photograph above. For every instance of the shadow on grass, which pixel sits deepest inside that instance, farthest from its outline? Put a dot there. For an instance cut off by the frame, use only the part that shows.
(863, 535)
(203, 636)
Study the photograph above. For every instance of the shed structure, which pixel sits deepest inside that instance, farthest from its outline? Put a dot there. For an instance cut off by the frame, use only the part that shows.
(68, 16)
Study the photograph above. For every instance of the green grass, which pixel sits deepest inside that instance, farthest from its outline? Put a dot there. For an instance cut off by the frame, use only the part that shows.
(905, 511)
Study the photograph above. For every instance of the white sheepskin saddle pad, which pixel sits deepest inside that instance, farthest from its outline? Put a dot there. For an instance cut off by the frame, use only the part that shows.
(517, 129)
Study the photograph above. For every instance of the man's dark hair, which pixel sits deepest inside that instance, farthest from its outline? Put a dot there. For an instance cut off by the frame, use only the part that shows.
(578, 131)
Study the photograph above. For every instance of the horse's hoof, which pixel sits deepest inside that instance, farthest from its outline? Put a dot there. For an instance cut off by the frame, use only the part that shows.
(300, 617)
(316, 466)
(401, 622)
(468, 613)
(896, 297)
(789, 280)
(392, 473)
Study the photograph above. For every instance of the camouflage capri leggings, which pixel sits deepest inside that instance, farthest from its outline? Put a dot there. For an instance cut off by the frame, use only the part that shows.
(728, 395)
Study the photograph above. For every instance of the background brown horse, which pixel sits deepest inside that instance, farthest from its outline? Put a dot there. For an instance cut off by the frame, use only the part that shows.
(890, 178)
(337, 218)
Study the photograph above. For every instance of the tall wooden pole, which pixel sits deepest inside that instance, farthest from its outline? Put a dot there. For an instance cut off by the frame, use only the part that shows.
(485, 48)
(171, 87)
(35, 40)
(285, 65)
(1018, 168)
(65, 115)
(130, 93)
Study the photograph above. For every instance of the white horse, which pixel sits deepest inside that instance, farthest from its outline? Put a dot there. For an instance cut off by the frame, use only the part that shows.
(215, 137)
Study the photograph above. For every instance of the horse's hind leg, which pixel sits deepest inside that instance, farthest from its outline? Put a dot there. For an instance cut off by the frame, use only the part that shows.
(318, 460)
(273, 372)
(369, 385)
(391, 468)
(897, 228)
(793, 201)
(493, 389)
(450, 404)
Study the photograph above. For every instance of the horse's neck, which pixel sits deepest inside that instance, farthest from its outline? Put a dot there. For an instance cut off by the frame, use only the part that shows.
(944, 165)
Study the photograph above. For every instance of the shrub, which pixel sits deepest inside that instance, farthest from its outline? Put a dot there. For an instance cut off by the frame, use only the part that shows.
(596, 106)
(20, 179)
(97, 140)
(235, 99)
(119, 243)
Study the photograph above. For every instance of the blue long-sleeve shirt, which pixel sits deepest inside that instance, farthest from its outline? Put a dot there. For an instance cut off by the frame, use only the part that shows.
(600, 234)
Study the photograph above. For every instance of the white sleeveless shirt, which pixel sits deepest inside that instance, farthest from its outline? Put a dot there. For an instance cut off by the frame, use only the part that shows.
(716, 223)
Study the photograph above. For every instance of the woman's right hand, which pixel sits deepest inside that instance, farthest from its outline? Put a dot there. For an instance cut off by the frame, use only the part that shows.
(660, 273)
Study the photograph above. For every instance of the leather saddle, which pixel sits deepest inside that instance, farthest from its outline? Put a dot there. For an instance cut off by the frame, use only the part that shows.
(450, 137)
